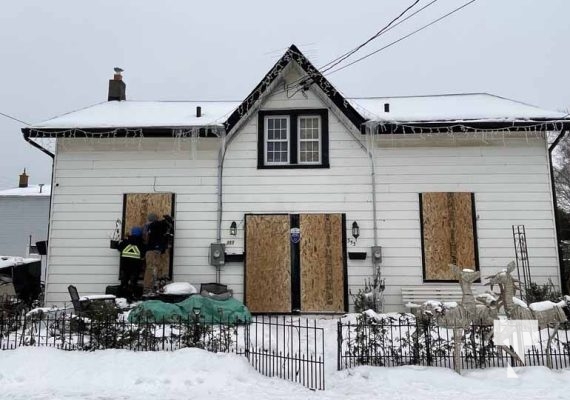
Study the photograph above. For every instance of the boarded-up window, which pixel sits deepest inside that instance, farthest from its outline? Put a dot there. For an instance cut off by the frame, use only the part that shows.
(448, 234)
(136, 208)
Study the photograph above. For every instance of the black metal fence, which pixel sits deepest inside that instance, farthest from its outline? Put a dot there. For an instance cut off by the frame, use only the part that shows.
(404, 341)
(289, 348)
(284, 347)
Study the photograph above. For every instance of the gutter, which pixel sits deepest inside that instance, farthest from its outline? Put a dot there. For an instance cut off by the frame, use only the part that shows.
(26, 135)
(551, 148)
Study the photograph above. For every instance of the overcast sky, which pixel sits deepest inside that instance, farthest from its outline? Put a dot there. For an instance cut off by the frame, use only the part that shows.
(57, 56)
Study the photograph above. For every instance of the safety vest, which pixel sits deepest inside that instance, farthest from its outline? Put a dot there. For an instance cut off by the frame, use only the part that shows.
(131, 251)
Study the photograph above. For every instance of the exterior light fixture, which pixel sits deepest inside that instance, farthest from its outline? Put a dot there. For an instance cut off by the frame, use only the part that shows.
(233, 228)
(355, 230)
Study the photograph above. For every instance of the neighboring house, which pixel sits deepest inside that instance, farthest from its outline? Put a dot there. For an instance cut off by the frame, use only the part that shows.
(286, 177)
(24, 215)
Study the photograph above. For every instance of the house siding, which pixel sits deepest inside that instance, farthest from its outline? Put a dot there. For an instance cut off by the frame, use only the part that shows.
(21, 217)
(509, 176)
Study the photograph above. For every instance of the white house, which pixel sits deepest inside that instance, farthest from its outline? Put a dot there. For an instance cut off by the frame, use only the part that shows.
(24, 213)
(284, 178)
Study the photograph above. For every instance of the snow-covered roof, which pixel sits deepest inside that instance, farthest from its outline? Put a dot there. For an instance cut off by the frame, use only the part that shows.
(6, 262)
(467, 107)
(143, 114)
(473, 107)
(31, 190)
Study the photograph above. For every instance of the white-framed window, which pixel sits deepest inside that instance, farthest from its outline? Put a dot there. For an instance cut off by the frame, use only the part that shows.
(277, 139)
(309, 139)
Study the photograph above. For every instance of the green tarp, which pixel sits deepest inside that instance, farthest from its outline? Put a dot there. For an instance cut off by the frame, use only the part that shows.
(230, 311)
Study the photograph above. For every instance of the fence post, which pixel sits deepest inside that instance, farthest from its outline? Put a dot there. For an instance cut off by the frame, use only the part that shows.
(339, 346)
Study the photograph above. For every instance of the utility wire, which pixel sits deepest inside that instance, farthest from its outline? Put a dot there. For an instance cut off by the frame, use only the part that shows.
(402, 38)
(13, 118)
(296, 82)
(346, 55)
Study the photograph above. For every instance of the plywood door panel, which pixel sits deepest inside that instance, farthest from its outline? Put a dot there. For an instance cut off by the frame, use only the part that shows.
(268, 263)
(322, 263)
(448, 234)
(137, 206)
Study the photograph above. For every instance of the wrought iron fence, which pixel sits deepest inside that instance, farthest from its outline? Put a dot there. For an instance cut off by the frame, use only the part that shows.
(284, 347)
(405, 341)
(289, 348)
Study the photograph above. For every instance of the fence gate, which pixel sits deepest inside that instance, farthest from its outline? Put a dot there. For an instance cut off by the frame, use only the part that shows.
(287, 348)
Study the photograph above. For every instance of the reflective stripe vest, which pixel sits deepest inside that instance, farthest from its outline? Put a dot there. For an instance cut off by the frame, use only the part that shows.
(131, 251)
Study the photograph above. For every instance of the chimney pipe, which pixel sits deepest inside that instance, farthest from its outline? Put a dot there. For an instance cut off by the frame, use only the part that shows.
(117, 87)
(41, 187)
(198, 111)
(23, 180)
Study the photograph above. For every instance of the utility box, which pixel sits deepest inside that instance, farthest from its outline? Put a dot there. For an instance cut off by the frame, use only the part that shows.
(217, 256)
(376, 254)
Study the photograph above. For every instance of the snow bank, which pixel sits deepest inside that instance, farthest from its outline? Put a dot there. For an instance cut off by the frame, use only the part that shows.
(42, 373)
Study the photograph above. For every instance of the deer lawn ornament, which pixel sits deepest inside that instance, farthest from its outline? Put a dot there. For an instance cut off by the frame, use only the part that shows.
(459, 317)
(548, 314)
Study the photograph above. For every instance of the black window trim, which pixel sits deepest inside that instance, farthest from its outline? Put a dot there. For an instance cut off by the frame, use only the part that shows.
(294, 115)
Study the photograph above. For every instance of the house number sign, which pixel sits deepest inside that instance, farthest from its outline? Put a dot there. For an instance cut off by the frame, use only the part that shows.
(295, 235)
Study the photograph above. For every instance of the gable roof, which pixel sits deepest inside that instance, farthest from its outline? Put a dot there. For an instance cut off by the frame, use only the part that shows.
(173, 118)
(313, 77)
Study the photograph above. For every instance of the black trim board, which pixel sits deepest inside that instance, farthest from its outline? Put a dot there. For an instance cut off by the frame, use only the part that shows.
(459, 127)
(111, 132)
(475, 242)
(293, 115)
(313, 77)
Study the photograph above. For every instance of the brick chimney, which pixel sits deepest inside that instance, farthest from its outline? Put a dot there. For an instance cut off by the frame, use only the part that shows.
(117, 88)
(23, 180)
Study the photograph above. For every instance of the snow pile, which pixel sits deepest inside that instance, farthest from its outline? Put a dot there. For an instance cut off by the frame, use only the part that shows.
(42, 373)
(546, 305)
(179, 288)
(519, 302)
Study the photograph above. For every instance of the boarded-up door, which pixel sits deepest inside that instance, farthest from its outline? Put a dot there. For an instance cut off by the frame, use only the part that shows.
(322, 263)
(283, 273)
(268, 263)
(137, 206)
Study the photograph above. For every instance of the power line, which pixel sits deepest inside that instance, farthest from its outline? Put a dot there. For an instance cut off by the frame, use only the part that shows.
(346, 55)
(296, 82)
(402, 38)
(13, 118)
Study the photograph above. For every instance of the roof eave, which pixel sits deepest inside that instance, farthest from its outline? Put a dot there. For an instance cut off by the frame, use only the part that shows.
(538, 124)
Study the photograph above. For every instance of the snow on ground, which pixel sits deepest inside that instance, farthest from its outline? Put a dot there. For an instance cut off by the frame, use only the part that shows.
(43, 373)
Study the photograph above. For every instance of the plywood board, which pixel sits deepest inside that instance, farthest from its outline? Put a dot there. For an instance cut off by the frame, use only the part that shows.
(136, 208)
(268, 263)
(448, 234)
(322, 263)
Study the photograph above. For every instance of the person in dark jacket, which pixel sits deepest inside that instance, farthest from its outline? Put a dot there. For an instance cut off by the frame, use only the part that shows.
(132, 261)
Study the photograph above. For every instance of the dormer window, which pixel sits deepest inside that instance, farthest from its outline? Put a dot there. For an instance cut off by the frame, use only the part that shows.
(293, 139)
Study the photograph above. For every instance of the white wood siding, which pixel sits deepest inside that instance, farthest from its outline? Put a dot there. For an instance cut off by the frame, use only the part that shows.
(510, 178)
(89, 182)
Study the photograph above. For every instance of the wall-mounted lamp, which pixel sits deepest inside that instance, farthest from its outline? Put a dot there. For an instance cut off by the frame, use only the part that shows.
(355, 230)
(355, 234)
(233, 228)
